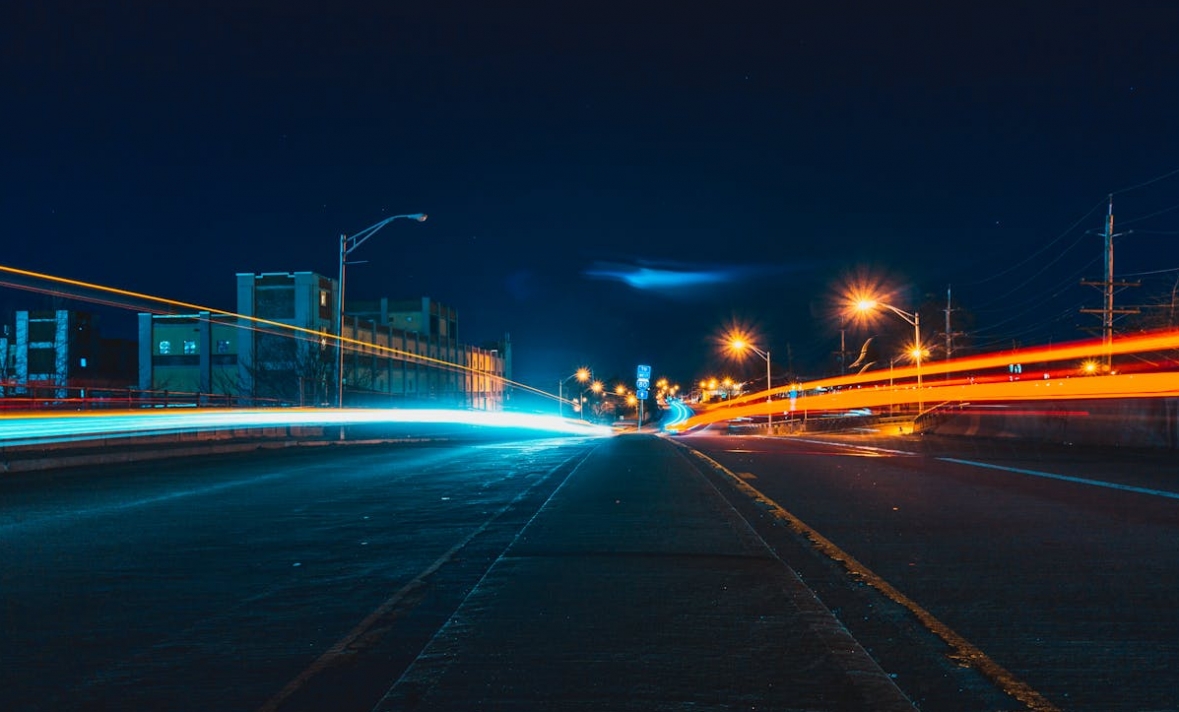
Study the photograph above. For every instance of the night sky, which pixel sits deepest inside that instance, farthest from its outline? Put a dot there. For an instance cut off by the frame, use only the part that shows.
(613, 184)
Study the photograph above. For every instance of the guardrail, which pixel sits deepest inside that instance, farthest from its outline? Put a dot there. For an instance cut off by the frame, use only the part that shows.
(37, 397)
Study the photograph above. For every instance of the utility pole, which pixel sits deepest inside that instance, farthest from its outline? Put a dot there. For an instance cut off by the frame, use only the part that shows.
(1109, 286)
(841, 354)
(949, 334)
(843, 344)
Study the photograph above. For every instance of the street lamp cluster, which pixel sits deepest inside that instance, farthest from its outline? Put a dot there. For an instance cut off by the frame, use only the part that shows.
(737, 343)
(582, 375)
(580, 399)
(914, 319)
(740, 345)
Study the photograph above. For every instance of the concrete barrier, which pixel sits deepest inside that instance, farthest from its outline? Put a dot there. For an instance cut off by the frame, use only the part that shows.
(116, 450)
(1121, 422)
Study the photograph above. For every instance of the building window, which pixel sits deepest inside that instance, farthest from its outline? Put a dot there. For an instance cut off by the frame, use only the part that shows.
(223, 346)
(42, 361)
(165, 347)
(323, 295)
(275, 303)
(190, 347)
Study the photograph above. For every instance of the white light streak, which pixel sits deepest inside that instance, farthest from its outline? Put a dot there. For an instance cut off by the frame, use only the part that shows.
(27, 429)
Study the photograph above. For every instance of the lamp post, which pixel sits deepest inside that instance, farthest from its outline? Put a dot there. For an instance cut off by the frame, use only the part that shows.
(595, 387)
(741, 345)
(1171, 321)
(347, 245)
(582, 374)
(913, 318)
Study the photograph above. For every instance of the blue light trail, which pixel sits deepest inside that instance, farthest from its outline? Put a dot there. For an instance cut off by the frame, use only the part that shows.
(30, 429)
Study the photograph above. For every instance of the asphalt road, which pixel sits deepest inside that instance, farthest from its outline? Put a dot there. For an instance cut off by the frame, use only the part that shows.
(216, 584)
(339, 578)
(1058, 564)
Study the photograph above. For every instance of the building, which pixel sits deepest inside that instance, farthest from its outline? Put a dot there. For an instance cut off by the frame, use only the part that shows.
(422, 316)
(287, 355)
(430, 363)
(284, 351)
(60, 354)
(190, 358)
(6, 358)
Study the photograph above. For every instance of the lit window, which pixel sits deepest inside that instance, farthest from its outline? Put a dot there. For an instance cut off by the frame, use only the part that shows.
(323, 297)
(165, 347)
(82, 362)
(222, 346)
(190, 347)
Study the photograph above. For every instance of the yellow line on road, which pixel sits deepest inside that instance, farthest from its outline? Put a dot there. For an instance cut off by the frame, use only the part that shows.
(964, 652)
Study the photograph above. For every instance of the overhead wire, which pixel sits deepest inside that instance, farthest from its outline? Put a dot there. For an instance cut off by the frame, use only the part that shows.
(1038, 252)
(1060, 288)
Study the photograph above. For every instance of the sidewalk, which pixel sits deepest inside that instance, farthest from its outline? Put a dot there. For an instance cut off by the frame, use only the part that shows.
(636, 587)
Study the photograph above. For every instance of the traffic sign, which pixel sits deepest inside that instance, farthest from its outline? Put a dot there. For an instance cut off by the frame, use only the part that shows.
(642, 381)
(642, 394)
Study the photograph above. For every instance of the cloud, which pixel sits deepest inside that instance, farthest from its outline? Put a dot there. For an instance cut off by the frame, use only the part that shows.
(677, 279)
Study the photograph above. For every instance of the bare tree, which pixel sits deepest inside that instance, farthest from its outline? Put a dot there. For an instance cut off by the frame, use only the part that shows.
(286, 369)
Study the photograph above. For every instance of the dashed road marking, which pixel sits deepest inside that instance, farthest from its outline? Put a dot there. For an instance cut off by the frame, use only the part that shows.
(1065, 478)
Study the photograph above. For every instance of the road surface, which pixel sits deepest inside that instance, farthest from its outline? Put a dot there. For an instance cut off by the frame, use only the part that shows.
(632, 572)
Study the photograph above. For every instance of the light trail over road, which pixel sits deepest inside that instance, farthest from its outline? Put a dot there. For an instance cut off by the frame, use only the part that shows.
(1046, 374)
(52, 427)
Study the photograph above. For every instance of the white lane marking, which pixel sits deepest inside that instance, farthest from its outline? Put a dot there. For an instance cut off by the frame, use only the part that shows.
(1017, 470)
(1066, 478)
(850, 446)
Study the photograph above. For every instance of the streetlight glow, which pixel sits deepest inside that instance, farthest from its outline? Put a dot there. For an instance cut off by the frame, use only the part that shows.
(914, 318)
(738, 344)
(582, 374)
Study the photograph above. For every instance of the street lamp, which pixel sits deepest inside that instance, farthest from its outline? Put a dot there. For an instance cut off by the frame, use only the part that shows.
(347, 245)
(582, 374)
(914, 318)
(595, 387)
(740, 345)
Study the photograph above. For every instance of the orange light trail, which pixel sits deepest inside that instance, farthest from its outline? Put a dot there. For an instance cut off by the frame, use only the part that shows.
(873, 389)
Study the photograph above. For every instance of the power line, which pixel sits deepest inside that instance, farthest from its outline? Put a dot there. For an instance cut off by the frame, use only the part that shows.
(1149, 182)
(1040, 251)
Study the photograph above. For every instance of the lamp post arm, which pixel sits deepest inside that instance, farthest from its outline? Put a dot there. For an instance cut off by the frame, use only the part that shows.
(561, 390)
(354, 241)
(909, 317)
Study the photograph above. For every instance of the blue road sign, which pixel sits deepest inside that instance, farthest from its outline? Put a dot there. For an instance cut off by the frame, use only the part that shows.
(644, 372)
(641, 394)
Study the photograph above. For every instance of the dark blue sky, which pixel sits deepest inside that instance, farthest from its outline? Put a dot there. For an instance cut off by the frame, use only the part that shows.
(768, 146)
